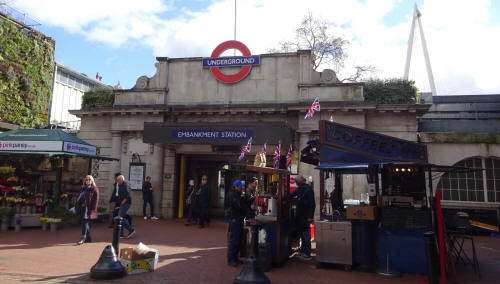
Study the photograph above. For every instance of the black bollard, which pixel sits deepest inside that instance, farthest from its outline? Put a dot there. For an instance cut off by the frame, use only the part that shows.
(117, 221)
(432, 259)
(108, 266)
(252, 272)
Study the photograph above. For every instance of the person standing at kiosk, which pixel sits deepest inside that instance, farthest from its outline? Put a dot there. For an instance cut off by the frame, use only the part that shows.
(237, 211)
(304, 215)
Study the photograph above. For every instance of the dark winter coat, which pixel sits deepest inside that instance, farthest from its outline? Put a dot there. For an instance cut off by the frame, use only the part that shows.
(236, 207)
(203, 199)
(91, 199)
(305, 205)
(123, 192)
(147, 193)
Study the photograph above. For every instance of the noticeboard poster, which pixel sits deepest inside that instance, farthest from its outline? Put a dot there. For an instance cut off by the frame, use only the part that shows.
(136, 175)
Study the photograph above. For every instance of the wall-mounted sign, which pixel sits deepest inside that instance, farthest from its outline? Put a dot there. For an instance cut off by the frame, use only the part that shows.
(136, 175)
(79, 148)
(246, 61)
(193, 134)
(31, 145)
(370, 144)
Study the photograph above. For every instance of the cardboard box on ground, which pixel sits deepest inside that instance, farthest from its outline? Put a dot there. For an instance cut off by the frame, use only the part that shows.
(139, 259)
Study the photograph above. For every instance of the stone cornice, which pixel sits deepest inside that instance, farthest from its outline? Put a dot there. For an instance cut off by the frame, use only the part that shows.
(418, 109)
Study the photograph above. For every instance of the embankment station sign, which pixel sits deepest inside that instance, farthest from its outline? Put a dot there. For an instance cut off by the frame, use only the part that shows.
(214, 62)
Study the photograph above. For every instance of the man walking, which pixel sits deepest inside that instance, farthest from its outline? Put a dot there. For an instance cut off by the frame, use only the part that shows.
(124, 201)
(236, 214)
(147, 197)
(113, 200)
(304, 215)
(203, 201)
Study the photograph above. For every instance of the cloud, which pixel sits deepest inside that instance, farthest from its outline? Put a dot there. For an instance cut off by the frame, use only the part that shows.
(459, 37)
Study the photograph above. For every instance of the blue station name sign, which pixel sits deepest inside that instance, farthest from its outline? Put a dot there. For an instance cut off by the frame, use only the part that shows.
(231, 61)
(200, 134)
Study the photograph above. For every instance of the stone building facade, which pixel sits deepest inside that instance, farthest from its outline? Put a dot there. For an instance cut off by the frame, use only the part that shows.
(270, 104)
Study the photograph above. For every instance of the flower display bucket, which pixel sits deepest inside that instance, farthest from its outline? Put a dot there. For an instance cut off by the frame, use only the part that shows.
(44, 226)
(29, 209)
(17, 227)
(53, 227)
(5, 223)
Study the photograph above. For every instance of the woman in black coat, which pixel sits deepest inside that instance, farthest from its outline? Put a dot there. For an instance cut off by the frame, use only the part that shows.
(86, 206)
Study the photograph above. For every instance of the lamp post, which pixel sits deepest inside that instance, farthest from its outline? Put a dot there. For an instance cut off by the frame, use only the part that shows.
(252, 270)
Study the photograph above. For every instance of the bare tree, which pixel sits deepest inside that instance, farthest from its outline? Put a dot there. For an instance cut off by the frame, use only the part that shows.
(327, 49)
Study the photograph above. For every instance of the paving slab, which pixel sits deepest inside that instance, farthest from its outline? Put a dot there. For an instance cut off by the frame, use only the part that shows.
(187, 255)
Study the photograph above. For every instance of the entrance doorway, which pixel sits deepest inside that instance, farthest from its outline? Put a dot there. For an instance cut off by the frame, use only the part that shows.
(221, 170)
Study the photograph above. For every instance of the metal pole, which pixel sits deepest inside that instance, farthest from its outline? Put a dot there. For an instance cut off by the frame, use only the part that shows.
(116, 232)
(235, 5)
(426, 56)
(410, 43)
(431, 255)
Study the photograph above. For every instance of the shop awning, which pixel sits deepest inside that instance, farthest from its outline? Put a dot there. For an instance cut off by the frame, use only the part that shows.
(51, 142)
(360, 168)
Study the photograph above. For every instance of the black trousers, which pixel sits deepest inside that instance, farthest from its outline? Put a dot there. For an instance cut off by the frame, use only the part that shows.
(151, 207)
(203, 215)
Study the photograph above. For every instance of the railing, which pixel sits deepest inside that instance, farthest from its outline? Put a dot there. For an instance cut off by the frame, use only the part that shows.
(18, 15)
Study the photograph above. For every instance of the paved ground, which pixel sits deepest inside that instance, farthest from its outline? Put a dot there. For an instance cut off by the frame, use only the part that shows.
(187, 255)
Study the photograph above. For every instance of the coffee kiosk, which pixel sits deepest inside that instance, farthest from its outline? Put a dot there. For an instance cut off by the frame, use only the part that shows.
(384, 228)
(273, 209)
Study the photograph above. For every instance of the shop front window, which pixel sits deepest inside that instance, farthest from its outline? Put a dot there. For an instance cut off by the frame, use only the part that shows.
(470, 186)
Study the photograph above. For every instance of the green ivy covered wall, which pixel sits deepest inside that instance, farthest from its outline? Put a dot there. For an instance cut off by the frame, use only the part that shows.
(26, 71)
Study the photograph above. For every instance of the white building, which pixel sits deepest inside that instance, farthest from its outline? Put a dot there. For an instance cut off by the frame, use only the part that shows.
(67, 93)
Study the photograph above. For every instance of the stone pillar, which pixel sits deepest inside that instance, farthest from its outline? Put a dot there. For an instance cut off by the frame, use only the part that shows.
(167, 200)
(303, 139)
(116, 152)
(157, 177)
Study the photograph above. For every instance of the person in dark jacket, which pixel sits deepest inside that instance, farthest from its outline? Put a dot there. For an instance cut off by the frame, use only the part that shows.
(124, 201)
(190, 202)
(304, 215)
(147, 197)
(113, 200)
(203, 201)
(89, 195)
(237, 212)
(249, 197)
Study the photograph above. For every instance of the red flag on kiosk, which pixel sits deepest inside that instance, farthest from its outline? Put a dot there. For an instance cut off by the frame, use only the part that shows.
(289, 157)
(245, 149)
(277, 152)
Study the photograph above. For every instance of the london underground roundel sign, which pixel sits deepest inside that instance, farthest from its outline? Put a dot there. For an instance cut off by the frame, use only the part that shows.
(214, 62)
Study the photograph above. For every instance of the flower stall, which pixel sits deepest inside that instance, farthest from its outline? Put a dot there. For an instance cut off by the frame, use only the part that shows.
(41, 169)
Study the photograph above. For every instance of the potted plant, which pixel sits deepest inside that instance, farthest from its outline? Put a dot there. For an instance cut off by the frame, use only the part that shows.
(57, 215)
(5, 213)
(53, 223)
(17, 224)
(43, 221)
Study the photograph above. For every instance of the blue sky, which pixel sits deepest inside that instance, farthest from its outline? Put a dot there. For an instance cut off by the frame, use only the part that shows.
(121, 38)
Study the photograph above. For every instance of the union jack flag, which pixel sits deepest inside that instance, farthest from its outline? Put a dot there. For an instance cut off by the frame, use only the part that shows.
(289, 157)
(263, 150)
(314, 108)
(277, 152)
(245, 149)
